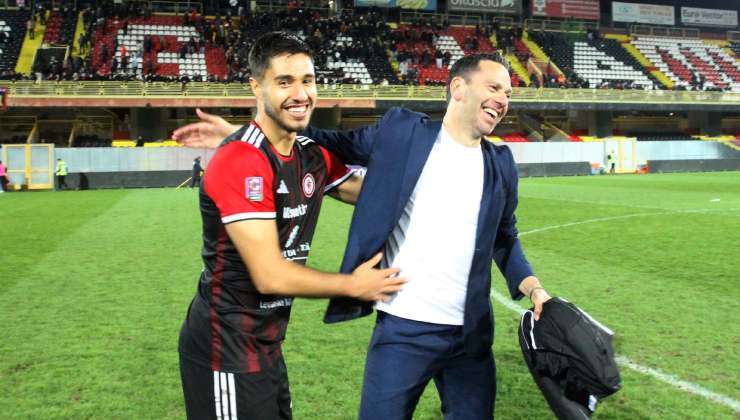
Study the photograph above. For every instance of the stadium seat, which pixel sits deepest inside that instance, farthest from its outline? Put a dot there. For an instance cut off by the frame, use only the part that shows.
(682, 58)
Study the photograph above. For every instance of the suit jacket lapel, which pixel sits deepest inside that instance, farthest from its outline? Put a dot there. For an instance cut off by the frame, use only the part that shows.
(421, 145)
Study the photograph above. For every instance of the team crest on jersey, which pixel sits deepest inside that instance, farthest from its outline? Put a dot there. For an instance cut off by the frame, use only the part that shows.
(254, 188)
(309, 185)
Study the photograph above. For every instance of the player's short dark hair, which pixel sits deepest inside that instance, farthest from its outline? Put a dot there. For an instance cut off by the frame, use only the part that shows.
(466, 65)
(273, 44)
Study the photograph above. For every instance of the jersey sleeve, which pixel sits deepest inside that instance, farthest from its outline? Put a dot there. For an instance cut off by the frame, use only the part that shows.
(239, 180)
(337, 171)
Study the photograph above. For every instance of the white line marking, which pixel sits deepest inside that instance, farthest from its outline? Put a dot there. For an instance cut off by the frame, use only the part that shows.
(624, 361)
(624, 216)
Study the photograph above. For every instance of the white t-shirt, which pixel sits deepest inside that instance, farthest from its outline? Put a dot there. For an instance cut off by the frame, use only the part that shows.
(434, 240)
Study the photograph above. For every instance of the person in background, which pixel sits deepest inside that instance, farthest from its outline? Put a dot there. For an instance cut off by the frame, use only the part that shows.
(3, 177)
(611, 161)
(61, 173)
(197, 171)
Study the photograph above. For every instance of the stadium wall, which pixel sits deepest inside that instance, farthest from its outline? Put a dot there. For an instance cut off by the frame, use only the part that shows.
(104, 167)
(695, 165)
(105, 159)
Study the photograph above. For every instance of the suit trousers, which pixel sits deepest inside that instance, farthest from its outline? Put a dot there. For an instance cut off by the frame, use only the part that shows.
(404, 355)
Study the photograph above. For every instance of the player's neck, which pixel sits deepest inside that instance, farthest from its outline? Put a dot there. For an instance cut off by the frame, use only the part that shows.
(459, 133)
(281, 139)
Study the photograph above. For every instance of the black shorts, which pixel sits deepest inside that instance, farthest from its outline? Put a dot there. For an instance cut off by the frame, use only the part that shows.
(235, 396)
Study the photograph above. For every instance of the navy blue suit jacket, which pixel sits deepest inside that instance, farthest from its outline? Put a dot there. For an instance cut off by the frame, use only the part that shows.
(394, 150)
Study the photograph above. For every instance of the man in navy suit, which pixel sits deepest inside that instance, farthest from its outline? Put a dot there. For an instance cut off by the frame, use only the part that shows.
(440, 202)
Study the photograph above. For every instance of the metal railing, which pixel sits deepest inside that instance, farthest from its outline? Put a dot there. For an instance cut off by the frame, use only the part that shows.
(206, 90)
(453, 19)
(160, 6)
(560, 25)
(647, 30)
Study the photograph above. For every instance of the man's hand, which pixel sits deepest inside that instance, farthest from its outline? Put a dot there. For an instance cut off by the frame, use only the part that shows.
(532, 288)
(372, 284)
(208, 133)
(538, 297)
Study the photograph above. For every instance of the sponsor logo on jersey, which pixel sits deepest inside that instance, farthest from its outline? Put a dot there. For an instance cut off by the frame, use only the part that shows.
(293, 212)
(254, 188)
(291, 237)
(277, 303)
(309, 185)
(283, 189)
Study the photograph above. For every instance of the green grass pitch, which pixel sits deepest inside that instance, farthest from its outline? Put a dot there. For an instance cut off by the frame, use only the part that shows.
(94, 286)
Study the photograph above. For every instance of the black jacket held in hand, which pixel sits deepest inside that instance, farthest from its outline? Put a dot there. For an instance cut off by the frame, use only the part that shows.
(571, 358)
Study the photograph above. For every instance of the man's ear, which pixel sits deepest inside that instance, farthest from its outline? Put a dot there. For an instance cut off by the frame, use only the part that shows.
(457, 88)
(255, 85)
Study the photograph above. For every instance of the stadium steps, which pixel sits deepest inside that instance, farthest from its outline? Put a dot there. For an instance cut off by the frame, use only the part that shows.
(533, 124)
(618, 37)
(731, 53)
(730, 141)
(28, 50)
(79, 30)
(518, 68)
(542, 59)
(718, 42)
(553, 133)
(536, 50)
(732, 144)
(123, 143)
(634, 52)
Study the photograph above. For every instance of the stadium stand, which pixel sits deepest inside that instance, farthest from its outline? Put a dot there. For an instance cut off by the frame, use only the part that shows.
(735, 47)
(12, 31)
(90, 141)
(594, 61)
(515, 138)
(691, 63)
(60, 27)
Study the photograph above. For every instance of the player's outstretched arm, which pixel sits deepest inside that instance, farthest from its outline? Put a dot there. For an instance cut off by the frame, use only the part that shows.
(257, 242)
(207, 133)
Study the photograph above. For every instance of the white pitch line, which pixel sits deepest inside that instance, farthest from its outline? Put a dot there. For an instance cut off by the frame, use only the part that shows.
(624, 361)
(624, 216)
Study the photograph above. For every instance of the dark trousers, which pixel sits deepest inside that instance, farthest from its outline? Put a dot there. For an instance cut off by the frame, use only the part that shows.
(404, 355)
(195, 180)
(61, 183)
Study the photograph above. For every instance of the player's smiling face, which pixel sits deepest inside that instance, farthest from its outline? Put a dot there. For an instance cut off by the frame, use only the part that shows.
(487, 96)
(287, 91)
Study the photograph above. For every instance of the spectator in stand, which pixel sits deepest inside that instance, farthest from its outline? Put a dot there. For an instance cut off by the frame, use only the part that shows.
(31, 27)
(438, 58)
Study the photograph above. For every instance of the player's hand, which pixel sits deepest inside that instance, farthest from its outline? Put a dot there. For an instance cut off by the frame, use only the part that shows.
(208, 133)
(538, 298)
(372, 284)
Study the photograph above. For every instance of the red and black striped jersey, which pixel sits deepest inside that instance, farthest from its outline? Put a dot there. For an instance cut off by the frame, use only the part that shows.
(230, 326)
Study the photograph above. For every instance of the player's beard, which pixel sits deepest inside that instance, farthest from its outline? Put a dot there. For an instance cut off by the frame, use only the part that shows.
(275, 115)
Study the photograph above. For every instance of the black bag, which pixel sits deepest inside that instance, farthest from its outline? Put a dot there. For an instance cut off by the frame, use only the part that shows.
(570, 357)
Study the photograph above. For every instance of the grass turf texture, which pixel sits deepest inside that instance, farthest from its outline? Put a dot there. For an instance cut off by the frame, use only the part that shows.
(94, 286)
